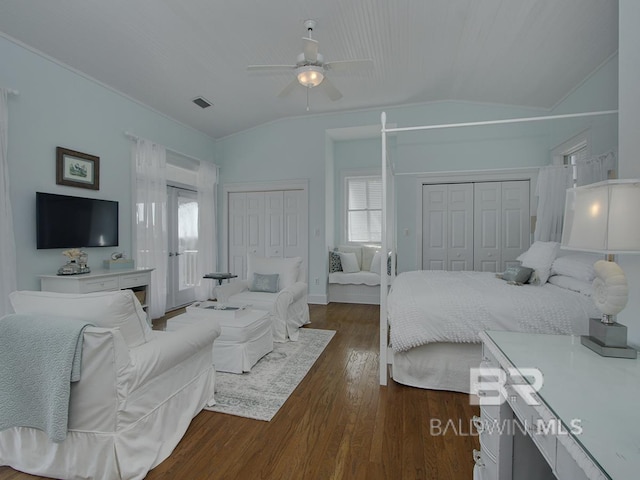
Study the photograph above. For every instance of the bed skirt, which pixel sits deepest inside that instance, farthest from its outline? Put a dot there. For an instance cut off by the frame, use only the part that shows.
(437, 366)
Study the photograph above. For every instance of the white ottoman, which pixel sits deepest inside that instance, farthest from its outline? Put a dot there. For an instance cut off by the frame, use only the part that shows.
(244, 340)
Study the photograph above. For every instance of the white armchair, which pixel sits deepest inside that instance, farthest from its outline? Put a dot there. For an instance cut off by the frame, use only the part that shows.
(138, 391)
(285, 300)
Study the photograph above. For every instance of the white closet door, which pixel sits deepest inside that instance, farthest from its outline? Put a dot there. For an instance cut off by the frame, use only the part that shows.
(516, 230)
(274, 223)
(255, 223)
(237, 233)
(447, 227)
(435, 226)
(296, 224)
(487, 227)
(460, 233)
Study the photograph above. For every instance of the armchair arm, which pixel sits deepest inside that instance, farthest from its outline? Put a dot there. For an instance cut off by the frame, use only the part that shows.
(223, 292)
(169, 349)
(289, 295)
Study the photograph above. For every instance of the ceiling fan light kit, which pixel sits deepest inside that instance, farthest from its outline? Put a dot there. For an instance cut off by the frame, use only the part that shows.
(310, 75)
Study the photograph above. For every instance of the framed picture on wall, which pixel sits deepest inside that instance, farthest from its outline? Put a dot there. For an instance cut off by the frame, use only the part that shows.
(77, 169)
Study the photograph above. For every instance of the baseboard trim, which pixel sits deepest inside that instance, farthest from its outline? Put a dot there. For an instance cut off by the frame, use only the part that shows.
(317, 299)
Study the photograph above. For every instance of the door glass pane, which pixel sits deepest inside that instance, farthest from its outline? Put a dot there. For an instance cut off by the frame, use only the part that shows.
(187, 241)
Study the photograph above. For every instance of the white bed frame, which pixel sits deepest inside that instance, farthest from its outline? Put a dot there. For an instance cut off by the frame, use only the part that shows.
(389, 226)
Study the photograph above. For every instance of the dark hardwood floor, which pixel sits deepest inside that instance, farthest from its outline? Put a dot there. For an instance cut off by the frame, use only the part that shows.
(338, 424)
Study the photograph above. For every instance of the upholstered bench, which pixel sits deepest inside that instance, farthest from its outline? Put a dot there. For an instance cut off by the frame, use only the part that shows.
(244, 339)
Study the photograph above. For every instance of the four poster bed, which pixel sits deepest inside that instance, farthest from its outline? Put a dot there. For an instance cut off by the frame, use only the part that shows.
(430, 320)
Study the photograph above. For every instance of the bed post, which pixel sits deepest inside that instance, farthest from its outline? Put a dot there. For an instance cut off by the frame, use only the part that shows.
(383, 276)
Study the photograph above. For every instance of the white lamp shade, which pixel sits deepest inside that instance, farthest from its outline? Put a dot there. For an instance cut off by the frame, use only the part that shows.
(603, 217)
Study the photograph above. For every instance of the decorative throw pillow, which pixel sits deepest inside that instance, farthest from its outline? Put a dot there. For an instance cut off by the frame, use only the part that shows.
(355, 249)
(264, 283)
(335, 265)
(376, 263)
(517, 274)
(349, 262)
(287, 268)
(540, 256)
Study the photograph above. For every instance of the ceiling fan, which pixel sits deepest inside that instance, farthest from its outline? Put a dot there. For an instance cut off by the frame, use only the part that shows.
(310, 68)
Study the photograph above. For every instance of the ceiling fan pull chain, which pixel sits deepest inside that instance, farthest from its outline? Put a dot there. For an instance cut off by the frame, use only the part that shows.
(307, 99)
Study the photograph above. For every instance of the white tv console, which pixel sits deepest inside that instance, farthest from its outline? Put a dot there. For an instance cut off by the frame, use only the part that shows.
(99, 280)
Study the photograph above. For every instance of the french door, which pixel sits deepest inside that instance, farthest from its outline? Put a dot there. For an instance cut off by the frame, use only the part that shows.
(182, 220)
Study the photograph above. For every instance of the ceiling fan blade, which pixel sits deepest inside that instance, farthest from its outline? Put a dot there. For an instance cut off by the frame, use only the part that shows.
(265, 68)
(344, 65)
(329, 88)
(287, 90)
(310, 50)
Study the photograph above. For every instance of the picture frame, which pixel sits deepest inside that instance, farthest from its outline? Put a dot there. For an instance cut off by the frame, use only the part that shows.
(77, 169)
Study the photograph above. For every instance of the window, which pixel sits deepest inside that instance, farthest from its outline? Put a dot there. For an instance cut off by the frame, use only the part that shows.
(573, 158)
(364, 209)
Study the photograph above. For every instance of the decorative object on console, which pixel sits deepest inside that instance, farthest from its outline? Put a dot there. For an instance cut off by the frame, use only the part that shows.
(76, 169)
(76, 264)
(599, 218)
(118, 260)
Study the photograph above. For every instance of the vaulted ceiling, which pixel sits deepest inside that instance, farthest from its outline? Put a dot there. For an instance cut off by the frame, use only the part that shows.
(165, 53)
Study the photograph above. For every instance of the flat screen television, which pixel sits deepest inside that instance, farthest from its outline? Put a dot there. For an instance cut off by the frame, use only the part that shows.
(63, 221)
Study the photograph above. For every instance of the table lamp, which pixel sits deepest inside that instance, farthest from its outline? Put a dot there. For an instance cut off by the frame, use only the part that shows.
(604, 217)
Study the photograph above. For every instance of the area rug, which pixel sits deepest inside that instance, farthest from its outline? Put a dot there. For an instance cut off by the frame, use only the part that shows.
(260, 393)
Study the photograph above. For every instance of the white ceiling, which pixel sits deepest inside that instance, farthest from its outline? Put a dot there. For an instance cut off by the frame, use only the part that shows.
(164, 53)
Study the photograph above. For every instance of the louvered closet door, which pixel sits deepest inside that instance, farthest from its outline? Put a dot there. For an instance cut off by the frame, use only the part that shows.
(447, 227)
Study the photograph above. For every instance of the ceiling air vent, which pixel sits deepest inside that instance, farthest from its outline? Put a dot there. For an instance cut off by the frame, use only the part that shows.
(201, 102)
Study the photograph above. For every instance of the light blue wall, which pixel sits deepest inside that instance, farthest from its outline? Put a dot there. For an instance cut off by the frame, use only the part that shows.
(295, 148)
(57, 107)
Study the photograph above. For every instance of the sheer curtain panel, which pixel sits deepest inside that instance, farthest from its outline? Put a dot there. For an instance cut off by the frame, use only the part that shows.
(8, 264)
(207, 243)
(553, 181)
(150, 218)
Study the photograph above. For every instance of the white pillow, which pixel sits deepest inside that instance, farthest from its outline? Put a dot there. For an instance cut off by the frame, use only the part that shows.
(349, 262)
(120, 309)
(576, 265)
(540, 256)
(376, 263)
(571, 283)
(357, 249)
(367, 257)
(287, 268)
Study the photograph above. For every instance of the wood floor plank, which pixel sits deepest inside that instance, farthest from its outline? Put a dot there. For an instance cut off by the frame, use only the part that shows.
(339, 423)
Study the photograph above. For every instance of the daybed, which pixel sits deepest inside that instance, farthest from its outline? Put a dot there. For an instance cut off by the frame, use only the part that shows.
(354, 276)
(435, 316)
(137, 393)
(276, 285)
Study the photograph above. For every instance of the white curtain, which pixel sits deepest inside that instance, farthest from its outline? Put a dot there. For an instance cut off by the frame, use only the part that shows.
(207, 243)
(8, 264)
(553, 181)
(596, 169)
(150, 218)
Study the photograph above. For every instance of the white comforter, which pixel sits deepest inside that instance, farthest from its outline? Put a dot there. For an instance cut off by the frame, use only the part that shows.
(437, 306)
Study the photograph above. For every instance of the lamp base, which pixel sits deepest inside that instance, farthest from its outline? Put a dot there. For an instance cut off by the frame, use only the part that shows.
(608, 339)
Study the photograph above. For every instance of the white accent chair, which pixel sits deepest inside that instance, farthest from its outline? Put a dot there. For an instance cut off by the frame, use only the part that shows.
(288, 307)
(138, 391)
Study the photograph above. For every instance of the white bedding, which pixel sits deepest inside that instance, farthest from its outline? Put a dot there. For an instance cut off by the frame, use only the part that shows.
(437, 306)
